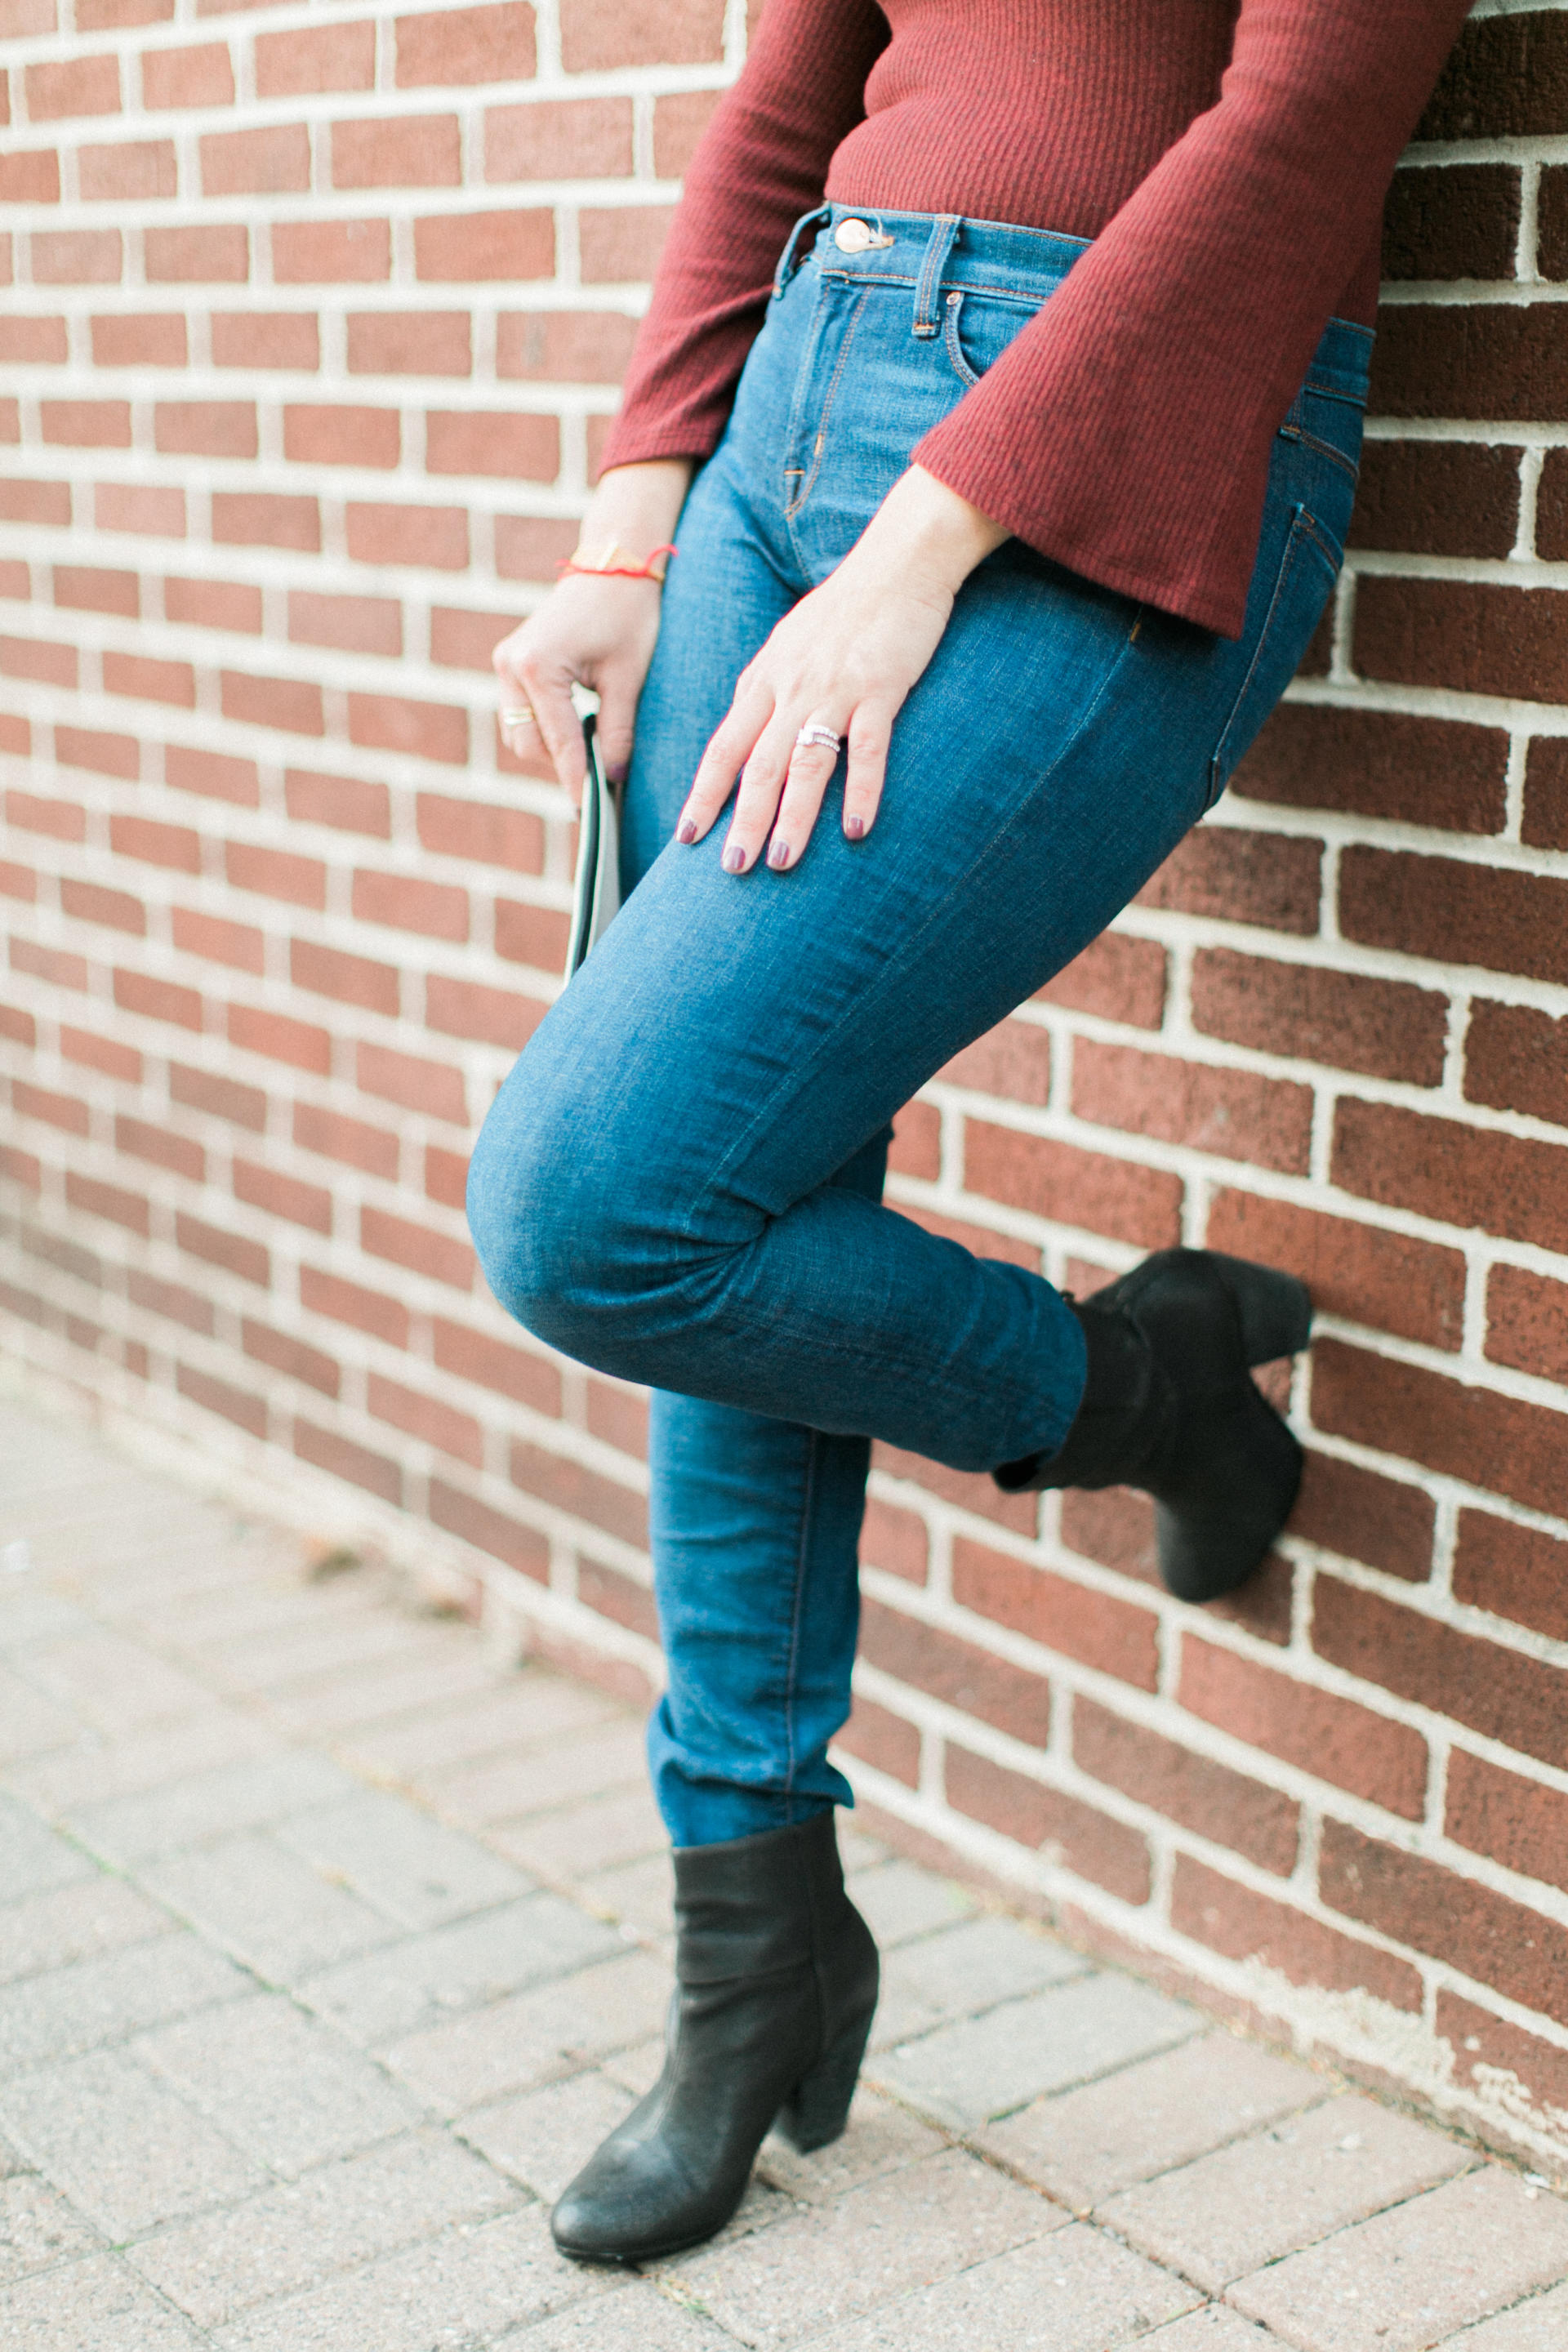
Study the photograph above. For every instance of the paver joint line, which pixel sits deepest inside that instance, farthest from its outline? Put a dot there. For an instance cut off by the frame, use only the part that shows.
(329, 1948)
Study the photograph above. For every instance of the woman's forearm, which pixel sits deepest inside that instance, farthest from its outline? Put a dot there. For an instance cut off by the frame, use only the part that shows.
(926, 536)
(636, 507)
(594, 631)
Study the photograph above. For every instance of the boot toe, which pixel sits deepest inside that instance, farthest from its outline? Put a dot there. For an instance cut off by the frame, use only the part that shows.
(603, 2215)
(628, 2204)
(584, 2230)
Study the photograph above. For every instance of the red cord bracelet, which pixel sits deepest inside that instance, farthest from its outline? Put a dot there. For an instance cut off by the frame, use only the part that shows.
(604, 567)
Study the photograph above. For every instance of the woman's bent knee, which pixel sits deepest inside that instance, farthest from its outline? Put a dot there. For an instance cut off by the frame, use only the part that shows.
(565, 1235)
(539, 1251)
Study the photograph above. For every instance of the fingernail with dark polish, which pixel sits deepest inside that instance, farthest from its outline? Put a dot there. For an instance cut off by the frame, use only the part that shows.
(618, 775)
(686, 830)
(734, 860)
(854, 827)
(780, 854)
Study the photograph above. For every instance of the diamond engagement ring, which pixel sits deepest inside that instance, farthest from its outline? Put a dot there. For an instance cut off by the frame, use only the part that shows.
(817, 733)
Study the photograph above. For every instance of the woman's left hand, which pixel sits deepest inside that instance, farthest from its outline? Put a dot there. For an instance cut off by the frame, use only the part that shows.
(844, 658)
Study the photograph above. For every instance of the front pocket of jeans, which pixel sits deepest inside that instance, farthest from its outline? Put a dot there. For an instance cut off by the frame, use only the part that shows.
(1308, 570)
(967, 375)
(977, 327)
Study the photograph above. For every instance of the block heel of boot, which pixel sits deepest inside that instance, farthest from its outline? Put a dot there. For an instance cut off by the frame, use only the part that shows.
(1275, 1310)
(1212, 1540)
(1170, 1407)
(818, 2108)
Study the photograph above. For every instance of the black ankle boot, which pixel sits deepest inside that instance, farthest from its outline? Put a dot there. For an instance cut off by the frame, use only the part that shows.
(1171, 1407)
(775, 1984)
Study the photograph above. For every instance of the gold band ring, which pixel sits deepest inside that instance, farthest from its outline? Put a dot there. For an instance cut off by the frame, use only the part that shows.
(523, 718)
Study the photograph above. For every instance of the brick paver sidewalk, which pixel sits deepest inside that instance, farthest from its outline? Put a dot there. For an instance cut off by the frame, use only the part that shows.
(329, 1947)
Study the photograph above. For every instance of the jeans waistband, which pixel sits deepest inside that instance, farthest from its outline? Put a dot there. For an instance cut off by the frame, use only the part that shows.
(933, 251)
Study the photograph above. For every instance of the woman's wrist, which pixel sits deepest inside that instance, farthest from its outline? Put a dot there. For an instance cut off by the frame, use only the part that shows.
(615, 561)
(929, 533)
(634, 509)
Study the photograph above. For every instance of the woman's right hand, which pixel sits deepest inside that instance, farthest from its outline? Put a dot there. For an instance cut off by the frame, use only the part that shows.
(594, 629)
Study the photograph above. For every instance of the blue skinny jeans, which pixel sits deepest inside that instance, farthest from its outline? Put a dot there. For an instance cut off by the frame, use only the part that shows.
(681, 1181)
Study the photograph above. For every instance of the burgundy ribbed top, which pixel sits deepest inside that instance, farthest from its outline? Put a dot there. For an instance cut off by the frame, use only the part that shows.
(1230, 163)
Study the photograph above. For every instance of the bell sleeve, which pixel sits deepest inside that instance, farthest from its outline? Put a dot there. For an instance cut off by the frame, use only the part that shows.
(1126, 432)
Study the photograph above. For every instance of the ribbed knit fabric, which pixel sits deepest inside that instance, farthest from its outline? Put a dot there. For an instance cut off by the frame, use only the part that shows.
(1230, 163)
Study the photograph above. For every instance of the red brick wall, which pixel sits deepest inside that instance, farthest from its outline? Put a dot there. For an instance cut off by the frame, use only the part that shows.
(314, 321)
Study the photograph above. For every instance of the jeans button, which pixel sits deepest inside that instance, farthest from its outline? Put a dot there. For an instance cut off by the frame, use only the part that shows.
(858, 237)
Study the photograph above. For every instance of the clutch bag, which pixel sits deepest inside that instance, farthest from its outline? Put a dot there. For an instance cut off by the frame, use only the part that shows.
(596, 898)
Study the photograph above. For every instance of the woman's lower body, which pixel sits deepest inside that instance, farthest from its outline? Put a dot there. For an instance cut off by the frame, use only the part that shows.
(681, 1181)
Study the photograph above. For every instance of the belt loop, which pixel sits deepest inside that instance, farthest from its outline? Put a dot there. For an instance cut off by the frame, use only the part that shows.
(788, 264)
(944, 230)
